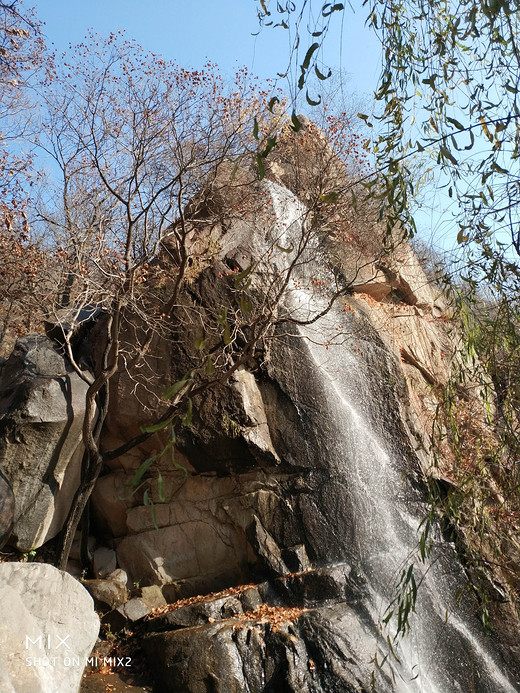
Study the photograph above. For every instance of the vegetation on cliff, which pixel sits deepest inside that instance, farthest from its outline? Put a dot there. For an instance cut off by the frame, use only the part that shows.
(151, 164)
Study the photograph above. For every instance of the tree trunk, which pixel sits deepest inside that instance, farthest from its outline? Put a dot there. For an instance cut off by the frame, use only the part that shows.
(94, 466)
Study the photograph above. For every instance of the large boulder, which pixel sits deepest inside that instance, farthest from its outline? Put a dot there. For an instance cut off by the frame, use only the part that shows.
(303, 469)
(312, 655)
(47, 630)
(310, 461)
(42, 403)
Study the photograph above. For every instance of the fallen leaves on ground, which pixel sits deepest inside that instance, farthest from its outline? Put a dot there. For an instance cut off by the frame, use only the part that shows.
(188, 601)
(275, 615)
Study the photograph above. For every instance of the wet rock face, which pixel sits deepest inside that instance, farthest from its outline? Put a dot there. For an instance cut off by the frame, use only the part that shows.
(41, 414)
(302, 465)
(294, 476)
(283, 635)
(242, 658)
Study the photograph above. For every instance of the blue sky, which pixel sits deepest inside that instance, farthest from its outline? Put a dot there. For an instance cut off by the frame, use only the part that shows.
(218, 30)
(222, 31)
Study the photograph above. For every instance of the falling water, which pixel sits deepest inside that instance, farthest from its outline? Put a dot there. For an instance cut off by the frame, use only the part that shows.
(445, 650)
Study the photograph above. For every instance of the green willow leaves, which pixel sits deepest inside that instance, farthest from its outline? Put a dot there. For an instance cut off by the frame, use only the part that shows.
(449, 88)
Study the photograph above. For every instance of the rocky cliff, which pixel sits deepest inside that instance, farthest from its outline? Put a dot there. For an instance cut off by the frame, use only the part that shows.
(296, 485)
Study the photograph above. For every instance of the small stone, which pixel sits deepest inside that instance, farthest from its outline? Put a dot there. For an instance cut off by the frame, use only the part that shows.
(104, 562)
(152, 596)
(126, 614)
(107, 592)
(118, 575)
(250, 599)
(134, 610)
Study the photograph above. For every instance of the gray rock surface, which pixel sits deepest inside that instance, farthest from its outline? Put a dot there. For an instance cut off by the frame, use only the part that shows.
(104, 561)
(269, 638)
(126, 615)
(108, 594)
(41, 414)
(7, 509)
(47, 630)
(311, 655)
(329, 486)
(302, 474)
(152, 596)
(205, 530)
(119, 575)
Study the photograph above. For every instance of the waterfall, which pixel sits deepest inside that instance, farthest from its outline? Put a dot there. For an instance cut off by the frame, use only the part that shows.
(445, 650)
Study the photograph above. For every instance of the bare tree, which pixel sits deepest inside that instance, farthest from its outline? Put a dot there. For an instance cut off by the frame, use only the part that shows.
(155, 164)
(22, 60)
(135, 141)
